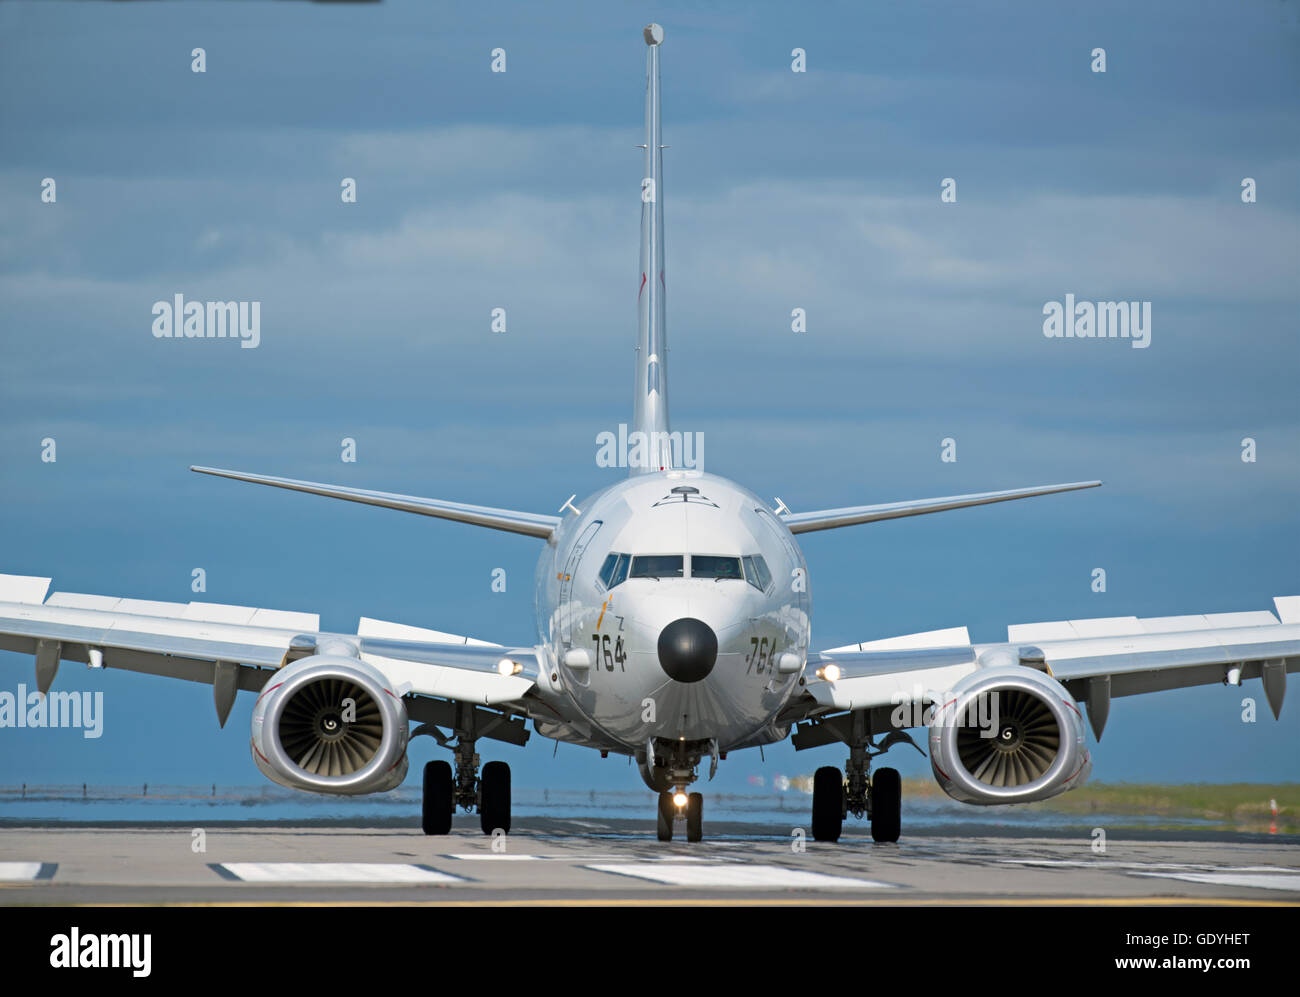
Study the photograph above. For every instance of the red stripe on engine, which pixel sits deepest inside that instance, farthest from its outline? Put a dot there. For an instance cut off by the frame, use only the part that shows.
(266, 692)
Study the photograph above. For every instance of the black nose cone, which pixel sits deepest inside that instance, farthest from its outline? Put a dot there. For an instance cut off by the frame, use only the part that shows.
(688, 649)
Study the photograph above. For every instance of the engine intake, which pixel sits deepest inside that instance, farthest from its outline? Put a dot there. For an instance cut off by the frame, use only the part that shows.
(1008, 734)
(329, 724)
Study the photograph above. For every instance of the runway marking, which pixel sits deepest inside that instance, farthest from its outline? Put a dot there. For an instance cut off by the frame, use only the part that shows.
(331, 872)
(682, 858)
(724, 901)
(733, 874)
(26, 871)
(494, 857)
(511, 857)
(1196, 866)
(1261, 877)
(1278, 880)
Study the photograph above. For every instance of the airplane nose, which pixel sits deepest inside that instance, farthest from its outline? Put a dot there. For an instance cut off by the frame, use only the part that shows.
(688, 649)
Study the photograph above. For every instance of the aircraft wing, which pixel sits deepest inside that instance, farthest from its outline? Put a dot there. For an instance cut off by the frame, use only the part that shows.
(1093, 659)
(240, 647)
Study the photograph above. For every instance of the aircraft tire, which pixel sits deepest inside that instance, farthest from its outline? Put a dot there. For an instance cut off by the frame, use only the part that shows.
(494, 797)
(886, 805)
(828, 804)
(695, 817)
(436, 800)
(665, 824)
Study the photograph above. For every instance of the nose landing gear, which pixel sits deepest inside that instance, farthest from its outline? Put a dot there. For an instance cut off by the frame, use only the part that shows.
(681, 806)
(668, 767)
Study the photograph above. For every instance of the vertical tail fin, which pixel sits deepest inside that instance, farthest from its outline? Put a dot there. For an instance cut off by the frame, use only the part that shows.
(650, 412)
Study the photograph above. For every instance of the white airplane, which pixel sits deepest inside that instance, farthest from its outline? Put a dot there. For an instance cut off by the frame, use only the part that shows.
(674, 623)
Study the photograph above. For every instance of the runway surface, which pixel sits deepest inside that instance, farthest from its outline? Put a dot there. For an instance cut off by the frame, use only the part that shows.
(556, 861)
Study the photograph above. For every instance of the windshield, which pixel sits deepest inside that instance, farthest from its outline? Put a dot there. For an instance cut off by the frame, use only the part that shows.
(712, 566)
(657, 566)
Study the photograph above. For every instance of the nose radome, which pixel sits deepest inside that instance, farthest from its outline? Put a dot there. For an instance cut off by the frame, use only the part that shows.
(688, 649)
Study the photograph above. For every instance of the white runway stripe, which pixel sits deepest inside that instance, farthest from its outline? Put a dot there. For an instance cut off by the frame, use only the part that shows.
(1263, 877)
(19, 871)
(733, 874)
(333, 872)
(493, 857)
(1262, 881)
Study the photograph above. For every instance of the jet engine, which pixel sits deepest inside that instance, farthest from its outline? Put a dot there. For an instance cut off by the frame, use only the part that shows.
(1008, 734)
(330, 724)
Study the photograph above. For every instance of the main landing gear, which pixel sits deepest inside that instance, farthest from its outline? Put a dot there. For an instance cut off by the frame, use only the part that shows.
(488, 793)
(855, 791)
(880, 799)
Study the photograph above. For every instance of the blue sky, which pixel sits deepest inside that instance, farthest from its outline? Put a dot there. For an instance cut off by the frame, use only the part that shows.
(521, 190)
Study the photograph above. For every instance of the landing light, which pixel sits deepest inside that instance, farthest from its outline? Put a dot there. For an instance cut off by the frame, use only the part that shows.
(506, 667)
(830, 673)
(679, 799)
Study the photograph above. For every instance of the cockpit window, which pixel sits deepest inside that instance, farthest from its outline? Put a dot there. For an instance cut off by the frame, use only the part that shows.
(620, 570)
(756, 572)
(614, 570)
(711, 566)
(607, 569)
(657, 566)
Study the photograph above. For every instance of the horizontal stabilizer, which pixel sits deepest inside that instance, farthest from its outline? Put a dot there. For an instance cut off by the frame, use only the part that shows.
(832, 519)
(528, 523)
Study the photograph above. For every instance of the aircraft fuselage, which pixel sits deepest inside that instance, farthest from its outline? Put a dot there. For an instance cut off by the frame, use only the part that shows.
(648, 626)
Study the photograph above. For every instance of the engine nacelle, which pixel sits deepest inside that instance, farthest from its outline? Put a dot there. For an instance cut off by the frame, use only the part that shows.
(1037, 748)
(330, 724)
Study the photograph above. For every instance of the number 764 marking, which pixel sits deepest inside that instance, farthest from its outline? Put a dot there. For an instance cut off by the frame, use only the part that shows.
(611, 656)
